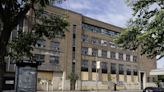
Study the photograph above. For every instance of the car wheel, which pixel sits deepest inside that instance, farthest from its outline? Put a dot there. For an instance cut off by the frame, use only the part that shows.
(147, 90)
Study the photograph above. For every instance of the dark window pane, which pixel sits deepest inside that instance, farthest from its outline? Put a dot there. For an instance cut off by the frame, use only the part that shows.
(93, 66)
(120, 56)
(128, 70)
(39, 57)
(73, 55)
(134, 58)
(54, 59)
(84, 51)
(95, 41)
(73, 48)
(84, 38)
(113, 68)
(113, 55)
(74, 29)
(121, 69)
(55, 45)
(84, 65)
(40, 43)
(92, 28)
(104, 53)
(104, 67)
(73, 67)
(127, 57)
(135, 72)
(94, 52)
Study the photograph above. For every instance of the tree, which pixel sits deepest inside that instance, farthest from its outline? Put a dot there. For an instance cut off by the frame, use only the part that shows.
(145, 29)
(73, 77)
(12, 13)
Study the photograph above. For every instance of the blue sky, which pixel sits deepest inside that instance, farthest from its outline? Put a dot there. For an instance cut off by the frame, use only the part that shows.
(115, 12)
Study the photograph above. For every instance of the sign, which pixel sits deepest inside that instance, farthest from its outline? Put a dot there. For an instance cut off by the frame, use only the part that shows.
(98, 65)
(26, 79)
(9, 82)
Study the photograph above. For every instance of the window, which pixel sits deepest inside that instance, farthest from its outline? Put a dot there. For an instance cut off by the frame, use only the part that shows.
(94, 52)
(121, 69)
(73, 67)
(93, 66)
(74, 36)
(120, 56)
(113, 68)
(128, 70)
(148, 79)
(104, 31)
(127, 57)
(84, 38)
(74, 29)
(39, 57)
(84, 65)
(73, 55)
(104, 67)
(111, 44)
(113, 55)
(40, 43)
(154, 79)
(103, 42)
(134, 58)
(111, 33)
(73, 42)
(135, 72)
(95, 41)
(84, 51)
(104, 53)
(54, 59)
(55, 45)
(88, 27)
(97, 29)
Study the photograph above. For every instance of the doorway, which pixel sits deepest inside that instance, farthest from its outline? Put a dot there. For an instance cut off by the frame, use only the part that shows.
(142, 80)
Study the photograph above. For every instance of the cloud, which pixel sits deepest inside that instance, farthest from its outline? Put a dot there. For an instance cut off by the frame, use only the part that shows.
(113, 12)
(80, 5)
(114, 19)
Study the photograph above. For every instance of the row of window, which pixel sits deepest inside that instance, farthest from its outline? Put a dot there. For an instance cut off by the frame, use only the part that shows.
(103, 65)
(88, 27)
(42, 44)
(96, 41)
(107, 54)
(53, 59)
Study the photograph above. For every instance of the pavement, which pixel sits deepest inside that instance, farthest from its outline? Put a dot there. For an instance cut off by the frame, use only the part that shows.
(86, 91)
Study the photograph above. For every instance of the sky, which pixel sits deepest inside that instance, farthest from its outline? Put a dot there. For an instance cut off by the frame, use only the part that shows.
(114, 12)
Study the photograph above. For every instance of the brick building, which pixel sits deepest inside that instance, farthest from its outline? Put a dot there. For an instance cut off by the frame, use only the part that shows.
(87, 41)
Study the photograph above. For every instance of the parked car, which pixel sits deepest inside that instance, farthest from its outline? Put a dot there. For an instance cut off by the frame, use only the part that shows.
(153, 89)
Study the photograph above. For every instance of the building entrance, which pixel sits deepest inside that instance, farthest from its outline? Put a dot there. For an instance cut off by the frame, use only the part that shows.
(142, 80)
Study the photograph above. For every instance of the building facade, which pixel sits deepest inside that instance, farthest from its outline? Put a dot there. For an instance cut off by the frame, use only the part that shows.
(88, 42)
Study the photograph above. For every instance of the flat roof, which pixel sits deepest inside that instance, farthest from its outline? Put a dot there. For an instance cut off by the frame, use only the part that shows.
(68, 10)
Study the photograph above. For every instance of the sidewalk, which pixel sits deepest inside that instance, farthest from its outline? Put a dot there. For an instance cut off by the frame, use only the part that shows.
(86, 91)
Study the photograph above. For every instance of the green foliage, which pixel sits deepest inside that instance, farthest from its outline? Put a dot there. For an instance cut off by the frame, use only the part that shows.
(13, 12)
(73, 77)
(48, 25)
(145, 30)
